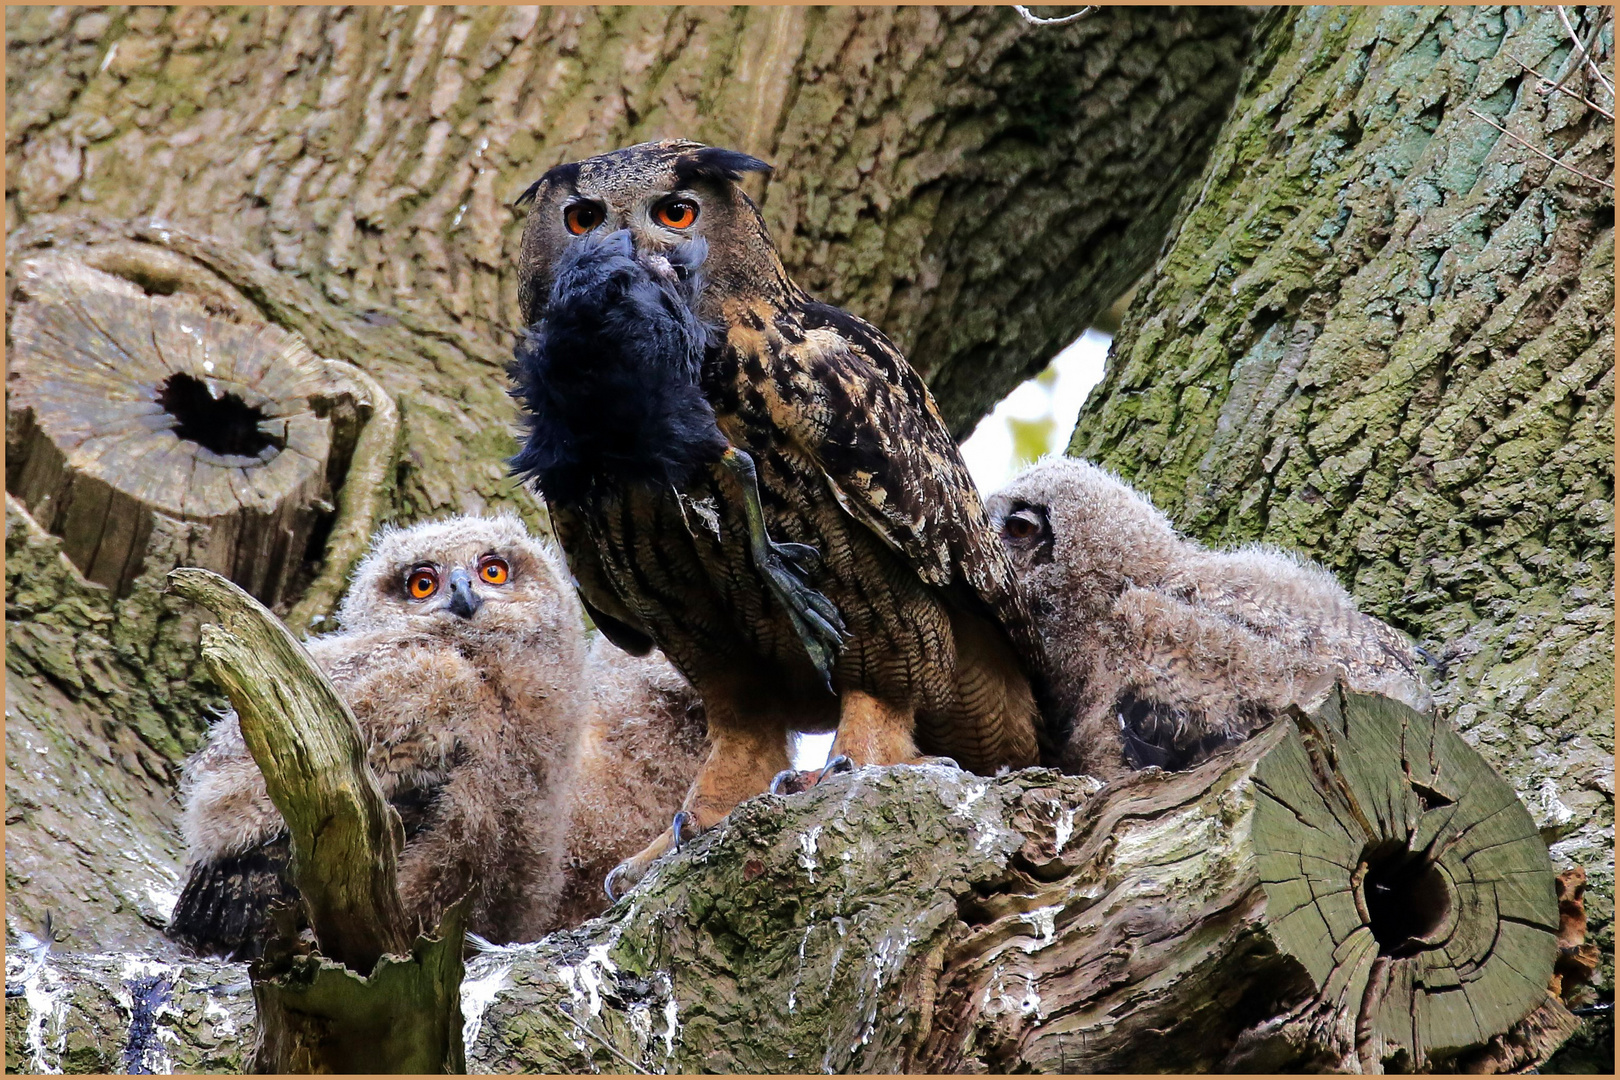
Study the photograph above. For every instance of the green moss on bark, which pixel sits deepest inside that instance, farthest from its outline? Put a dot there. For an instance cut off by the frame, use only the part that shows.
(1383, 335)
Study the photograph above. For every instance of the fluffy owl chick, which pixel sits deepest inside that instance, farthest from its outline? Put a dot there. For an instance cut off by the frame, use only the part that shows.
(637, 757)
(462, 657)
(1163, 650)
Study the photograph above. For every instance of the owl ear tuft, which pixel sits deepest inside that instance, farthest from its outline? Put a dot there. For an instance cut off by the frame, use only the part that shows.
(713, 163)
(566, 173)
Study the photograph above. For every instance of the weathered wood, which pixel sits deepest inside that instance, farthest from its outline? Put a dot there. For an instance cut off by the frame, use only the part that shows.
(360, 1004)
(139, 386)
(362, 495)
(922, 919)
(345, 837)
(315, 1015)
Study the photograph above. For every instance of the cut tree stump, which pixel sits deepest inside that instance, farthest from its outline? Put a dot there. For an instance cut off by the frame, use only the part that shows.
(138, 385)
(370, 1000)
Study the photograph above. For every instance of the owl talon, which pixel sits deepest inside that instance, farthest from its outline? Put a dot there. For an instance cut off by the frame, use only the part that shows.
(804, 557)
(611, 883)
(838, 766)
(683, 819)
(792, 782)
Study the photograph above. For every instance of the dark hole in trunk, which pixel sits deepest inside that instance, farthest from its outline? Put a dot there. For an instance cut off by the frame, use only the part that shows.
(226, 425)
(1407, 899)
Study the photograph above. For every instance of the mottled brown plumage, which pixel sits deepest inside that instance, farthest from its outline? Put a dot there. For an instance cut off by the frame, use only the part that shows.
(1162, 650)
(470, 701)
(637, 756)
(852, 457)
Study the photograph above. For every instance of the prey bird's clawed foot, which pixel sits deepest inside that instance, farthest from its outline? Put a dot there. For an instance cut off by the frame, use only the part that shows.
(815, 618)
(787, 568)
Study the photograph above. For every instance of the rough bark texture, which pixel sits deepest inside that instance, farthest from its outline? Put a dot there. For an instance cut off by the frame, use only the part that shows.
(1383, 335)
(921, 918)
(976, 186)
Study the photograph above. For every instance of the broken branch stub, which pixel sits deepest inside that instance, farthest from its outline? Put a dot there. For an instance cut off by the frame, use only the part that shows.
(140, 384)
(1406, 878)
(345, 837)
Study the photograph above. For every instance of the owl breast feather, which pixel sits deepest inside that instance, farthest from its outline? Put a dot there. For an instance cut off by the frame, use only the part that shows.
(609, 376)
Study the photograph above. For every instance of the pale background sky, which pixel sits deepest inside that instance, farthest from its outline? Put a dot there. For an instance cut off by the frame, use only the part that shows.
(1036, 418)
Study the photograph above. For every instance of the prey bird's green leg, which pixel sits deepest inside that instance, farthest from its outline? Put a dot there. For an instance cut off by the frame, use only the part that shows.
(786, 566)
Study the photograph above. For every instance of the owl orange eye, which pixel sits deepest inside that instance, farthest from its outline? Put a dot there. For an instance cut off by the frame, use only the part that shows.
(678, 214)
(422, 583)
(493, 569)
(582, 217)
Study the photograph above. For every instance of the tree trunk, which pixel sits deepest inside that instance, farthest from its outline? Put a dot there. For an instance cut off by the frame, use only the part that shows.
(1352, 889)
(1383, 335)
(978, 187)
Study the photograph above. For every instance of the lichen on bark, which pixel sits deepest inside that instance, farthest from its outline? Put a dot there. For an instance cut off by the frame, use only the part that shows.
(1382, 334)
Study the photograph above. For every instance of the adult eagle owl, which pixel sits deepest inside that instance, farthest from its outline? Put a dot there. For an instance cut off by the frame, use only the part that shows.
(462, 656)
(757, 483)
(1163, 651)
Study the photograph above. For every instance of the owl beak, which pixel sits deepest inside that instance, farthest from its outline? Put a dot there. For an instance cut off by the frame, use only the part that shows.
(463, 601)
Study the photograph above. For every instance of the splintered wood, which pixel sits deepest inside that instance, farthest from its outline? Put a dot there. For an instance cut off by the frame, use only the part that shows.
(1406, 878)
(128, 400)
(371, 999)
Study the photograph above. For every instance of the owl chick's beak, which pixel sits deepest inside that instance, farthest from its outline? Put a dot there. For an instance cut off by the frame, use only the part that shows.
(463, 601)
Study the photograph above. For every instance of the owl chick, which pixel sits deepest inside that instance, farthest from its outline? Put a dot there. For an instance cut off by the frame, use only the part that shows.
(757, 483)
(637, 757)
(1163, 650)
(462, 657)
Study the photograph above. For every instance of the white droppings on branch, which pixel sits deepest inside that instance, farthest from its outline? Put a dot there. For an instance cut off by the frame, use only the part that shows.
(1549, 810)
(224, 1022)
(807, 851)
(1031, 1003)
(47, 1006)
(1062, 20)
(1044, 922)
(477, 995)
(793, 992)
(672, 1025)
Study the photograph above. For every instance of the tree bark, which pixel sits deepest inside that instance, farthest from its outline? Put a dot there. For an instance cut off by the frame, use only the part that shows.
(978, 187)
(1383, 335)
(1352, 889)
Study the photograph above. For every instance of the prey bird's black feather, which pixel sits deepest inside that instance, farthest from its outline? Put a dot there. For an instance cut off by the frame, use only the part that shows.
(609, 376)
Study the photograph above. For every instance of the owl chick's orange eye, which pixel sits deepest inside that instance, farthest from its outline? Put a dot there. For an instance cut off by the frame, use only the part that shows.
(582, 217)
(493, 569)
(423, 582)
(677, 214)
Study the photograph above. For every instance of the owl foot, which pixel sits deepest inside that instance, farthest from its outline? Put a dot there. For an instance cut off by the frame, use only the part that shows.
(787, 568)
(624, 877)
(793, 782)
